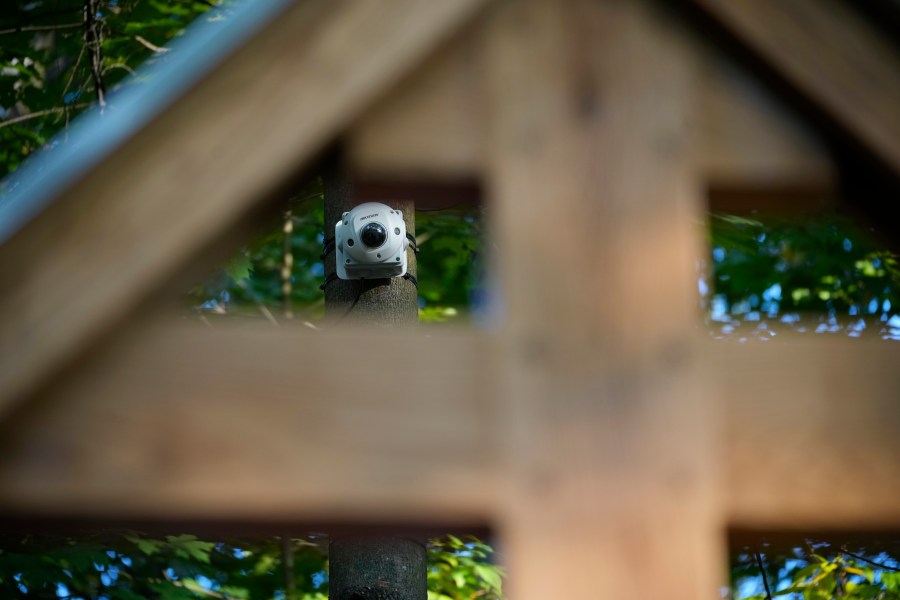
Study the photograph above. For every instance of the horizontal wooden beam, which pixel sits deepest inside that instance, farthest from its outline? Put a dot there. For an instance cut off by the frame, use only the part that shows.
(810, 432)
(241, 136)
(829, 55)
(250, 423)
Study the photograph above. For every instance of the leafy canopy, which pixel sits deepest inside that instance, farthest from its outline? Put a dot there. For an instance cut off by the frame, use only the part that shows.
(130, 565)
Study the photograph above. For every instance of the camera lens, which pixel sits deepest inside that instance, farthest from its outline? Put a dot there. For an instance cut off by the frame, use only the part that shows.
(373, 235)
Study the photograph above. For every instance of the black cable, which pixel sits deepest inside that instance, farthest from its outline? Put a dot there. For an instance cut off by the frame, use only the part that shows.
(328, 279)
(327, 248)
(412, 242)
(411, 278)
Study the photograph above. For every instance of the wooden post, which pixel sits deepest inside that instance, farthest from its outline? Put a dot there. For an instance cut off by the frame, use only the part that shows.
(376, 568)
(380, 302)
(371, 567)
(605, 431)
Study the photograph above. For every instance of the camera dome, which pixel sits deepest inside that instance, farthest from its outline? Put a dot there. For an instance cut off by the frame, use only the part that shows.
(373, 235)
(371, 243)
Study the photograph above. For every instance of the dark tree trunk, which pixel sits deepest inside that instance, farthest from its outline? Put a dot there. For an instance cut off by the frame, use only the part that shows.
(383, 567)
(377, 568)
(382, 302)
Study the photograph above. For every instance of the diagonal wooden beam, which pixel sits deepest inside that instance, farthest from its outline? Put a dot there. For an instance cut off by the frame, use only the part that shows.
(811, 433)
(180, 422)
(829, 55)
(239, 136)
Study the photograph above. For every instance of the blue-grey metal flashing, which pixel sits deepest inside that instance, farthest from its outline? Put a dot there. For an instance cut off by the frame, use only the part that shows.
(93, 136)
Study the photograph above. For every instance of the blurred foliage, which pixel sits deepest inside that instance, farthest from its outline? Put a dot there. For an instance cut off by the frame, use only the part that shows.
(784, 268)
(130, 565)
(818, 571)
(45, 73)
(251, 282)
(252, 279)
(450, 263)
(462, 570)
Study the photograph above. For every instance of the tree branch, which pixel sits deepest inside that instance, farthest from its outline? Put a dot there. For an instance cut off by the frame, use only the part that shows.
(72, 77)
(871, 562)
(43, 113)
(287, 567)
(41, 28)
(149, 45)
(762, 571)
(122, 66)
(287, 264)
(93, 41)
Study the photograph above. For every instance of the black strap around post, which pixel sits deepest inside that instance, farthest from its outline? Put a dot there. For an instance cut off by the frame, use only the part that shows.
(328, 279)
(327, 248)
(412, 243)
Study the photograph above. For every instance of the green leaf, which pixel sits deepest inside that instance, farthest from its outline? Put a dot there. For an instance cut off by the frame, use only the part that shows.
(148, 547)
(236, 592)
(265, 564)
(491, 575)
(891, 580)
(459, 578)
(805, 572)
(239, 267)
(188, 546)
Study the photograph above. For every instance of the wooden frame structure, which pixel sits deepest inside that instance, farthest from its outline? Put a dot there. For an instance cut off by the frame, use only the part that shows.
(596, 431)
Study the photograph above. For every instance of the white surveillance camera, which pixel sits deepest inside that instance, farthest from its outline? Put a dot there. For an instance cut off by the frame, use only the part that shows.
(370, 243)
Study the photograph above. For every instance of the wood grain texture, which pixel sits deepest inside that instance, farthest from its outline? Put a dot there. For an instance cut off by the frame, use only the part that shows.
(238, 137)
(594, 208)
(249, 423)
(431, 126)
(831, 57)
(748, 139)
(810, 432)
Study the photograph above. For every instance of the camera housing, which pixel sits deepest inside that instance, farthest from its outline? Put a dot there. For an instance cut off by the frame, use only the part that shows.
(370, 242)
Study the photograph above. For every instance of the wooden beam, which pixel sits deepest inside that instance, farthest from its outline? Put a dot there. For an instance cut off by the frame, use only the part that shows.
(831, 57)
(810, 432)
(431, 126)
(606, 440)
(747, 139)
(249, 423)
(239, 137)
